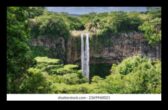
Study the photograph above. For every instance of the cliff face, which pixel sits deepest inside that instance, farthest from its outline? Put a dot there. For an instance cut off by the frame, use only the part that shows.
(109, 49)
(112, 49)
(54, 48)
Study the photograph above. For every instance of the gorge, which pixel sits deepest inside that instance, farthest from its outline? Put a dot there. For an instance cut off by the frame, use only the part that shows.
(102, 52)
(114, 52)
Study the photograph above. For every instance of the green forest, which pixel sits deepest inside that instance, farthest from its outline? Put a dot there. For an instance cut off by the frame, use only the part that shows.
(33, 69)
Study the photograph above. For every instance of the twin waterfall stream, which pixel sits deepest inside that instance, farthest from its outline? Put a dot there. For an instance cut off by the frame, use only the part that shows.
(85, 55)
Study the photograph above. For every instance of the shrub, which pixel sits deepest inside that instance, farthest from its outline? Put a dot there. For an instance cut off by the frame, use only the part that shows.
(34, 82)
(96, 79)
(38, 79)
(127, 65)
(134, 75)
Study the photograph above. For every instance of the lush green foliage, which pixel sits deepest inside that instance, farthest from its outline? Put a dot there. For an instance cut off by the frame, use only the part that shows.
(19, 56)
(152, 26)
(103, 24)
(75, 23)
(114, 22)
(54, 24)
(48, 24)
(45, 75)
(133, 75)
(18, 53)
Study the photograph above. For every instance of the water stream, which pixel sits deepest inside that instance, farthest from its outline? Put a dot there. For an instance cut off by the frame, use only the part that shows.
(85, 54)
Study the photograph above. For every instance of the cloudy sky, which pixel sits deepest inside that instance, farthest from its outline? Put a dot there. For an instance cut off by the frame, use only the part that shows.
(85, 10)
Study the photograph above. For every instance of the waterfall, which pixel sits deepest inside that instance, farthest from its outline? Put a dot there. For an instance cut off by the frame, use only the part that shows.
(82, 54)
(85, 55)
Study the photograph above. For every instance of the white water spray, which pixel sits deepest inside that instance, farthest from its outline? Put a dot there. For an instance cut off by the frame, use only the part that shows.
(85, 55)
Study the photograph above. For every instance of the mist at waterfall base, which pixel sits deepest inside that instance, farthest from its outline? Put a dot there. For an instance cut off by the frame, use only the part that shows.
(85, 55)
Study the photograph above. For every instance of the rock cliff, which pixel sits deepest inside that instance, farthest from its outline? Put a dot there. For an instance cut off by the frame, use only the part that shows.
(103, 49)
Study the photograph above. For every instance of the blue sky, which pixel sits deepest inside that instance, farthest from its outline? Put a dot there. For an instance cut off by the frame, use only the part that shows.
(85, 10)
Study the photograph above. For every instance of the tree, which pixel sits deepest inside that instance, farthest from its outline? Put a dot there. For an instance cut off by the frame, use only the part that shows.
(49, 24)
(133, 75)
(19, 56)
(152, 30)
(152, 26)
(75, 23)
